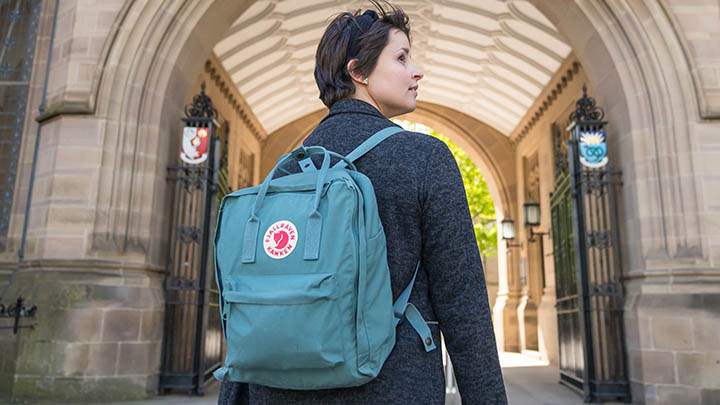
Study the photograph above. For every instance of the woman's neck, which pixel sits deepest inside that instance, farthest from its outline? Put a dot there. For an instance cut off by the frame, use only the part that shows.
(362, 95)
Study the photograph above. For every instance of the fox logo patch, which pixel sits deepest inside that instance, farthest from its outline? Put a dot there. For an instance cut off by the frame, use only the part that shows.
(280, 239)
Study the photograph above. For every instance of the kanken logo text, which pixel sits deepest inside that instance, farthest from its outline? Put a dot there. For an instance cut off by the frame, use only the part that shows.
(280, 239)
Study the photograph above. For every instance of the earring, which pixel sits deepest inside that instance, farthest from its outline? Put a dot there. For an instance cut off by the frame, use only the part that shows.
(365, 81)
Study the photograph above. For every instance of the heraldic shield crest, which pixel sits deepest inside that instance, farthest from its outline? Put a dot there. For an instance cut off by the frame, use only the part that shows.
(593, 149)
(195, 145)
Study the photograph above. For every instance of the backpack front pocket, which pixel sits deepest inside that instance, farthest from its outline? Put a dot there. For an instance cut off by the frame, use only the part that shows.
(283, 322)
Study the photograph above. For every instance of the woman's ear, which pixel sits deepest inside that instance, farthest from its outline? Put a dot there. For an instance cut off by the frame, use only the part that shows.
(350, 69)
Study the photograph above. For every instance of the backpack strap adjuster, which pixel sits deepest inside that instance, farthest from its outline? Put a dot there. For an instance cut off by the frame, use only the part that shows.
(221, 373)
(403, 309)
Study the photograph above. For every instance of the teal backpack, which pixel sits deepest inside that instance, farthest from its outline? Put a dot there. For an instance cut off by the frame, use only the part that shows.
(301, 264)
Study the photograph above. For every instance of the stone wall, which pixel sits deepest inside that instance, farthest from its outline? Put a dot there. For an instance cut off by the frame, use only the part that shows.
(99, 325)
(668, 208)
(672, 344)
(695, 23)
(246, 133)
(534, 138)
(29, 134)
(98, 335)
(121, 72)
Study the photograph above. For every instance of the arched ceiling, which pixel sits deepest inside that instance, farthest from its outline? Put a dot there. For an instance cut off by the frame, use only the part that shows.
(489, 59)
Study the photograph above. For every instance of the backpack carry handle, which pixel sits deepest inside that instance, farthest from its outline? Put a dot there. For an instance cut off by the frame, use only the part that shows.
(314, 224)
(253, 226)
(314, 228)
(284, 159)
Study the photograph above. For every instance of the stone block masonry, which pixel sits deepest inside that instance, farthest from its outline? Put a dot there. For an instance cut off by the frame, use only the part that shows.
(98, 334)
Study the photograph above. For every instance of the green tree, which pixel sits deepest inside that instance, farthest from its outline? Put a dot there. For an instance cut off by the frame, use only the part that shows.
(480, 202)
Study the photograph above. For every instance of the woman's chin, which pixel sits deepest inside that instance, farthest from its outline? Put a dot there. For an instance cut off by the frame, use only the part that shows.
(411, 107)
(400, 109)
(402, 112)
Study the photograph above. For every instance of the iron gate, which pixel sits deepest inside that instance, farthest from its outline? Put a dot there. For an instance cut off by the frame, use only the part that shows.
(193, 346)
(587, 260)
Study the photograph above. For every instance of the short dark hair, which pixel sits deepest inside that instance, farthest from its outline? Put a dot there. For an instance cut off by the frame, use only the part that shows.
(332, 57)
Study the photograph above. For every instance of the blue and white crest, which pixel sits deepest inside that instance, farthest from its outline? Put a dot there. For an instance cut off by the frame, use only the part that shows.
(593, 149)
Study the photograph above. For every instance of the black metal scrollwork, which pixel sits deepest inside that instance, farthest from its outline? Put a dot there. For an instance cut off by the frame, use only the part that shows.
(201, 106)
(183, 284)
(193, 178)
(586, 109)
(189, 234)
(17, 311)
(597, 182)
(604, 289)
(599, 239)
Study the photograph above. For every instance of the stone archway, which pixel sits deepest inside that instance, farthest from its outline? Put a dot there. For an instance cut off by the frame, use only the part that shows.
(640, 72)
(156, 50)
(161, 54)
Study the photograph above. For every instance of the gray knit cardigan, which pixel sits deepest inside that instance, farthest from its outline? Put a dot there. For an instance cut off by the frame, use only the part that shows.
(424, 211)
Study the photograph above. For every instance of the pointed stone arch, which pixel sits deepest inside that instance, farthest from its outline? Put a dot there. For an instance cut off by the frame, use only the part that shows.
(630, 52)
(155, 47)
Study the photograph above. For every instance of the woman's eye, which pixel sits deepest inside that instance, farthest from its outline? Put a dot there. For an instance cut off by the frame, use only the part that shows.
(401, 58)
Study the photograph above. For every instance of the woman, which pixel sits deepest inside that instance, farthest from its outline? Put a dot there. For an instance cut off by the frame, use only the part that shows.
(365, 75)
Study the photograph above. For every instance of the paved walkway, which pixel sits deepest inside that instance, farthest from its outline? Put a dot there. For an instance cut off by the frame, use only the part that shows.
(210, 398)
(528, 382)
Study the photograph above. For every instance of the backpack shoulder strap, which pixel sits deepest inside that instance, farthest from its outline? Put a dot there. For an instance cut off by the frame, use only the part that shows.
(403, 309)
(370, 143)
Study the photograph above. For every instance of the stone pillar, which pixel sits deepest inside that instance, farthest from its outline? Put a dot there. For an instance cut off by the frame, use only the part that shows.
(491, 277)
(547, 326)
(533, 292)
(528, 310)
(547, 313)
(527, 321)
(98, 327)
(99, 321)
(505, 316)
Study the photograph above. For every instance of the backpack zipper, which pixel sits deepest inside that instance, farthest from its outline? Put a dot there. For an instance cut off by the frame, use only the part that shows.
(360, 313)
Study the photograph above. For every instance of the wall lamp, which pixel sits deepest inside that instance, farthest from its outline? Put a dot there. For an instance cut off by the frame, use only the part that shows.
(531, 212)
(508, 233)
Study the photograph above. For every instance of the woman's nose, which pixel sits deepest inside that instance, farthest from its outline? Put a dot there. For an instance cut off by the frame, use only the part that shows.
(418, 74)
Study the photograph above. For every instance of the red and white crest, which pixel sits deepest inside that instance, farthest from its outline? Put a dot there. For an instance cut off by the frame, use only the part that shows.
(280, 239)
(195, 145)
